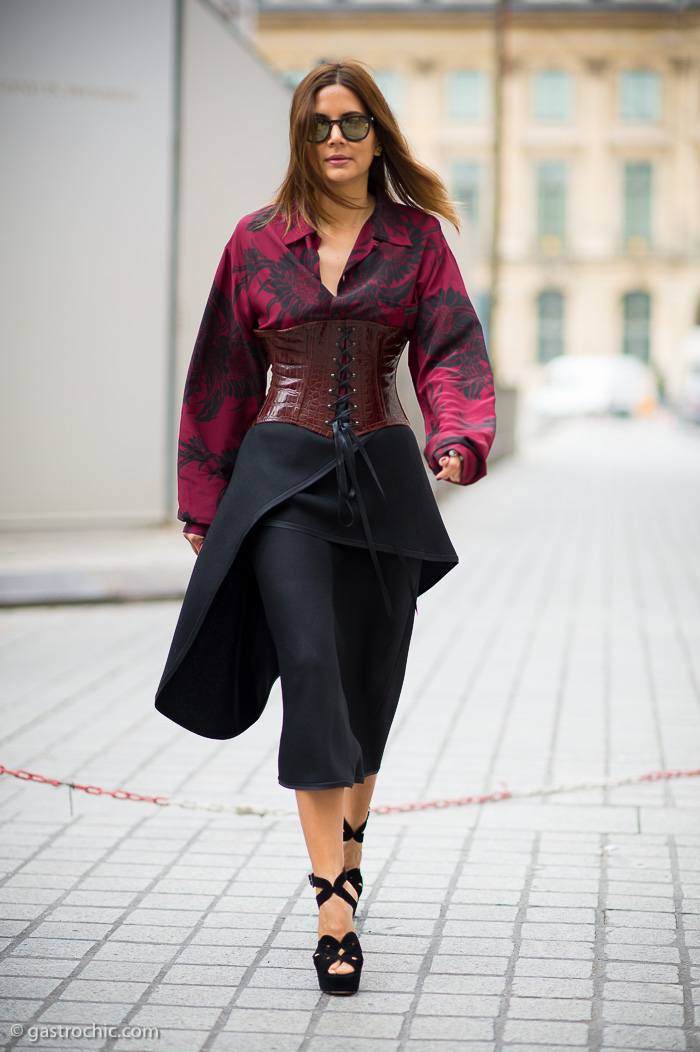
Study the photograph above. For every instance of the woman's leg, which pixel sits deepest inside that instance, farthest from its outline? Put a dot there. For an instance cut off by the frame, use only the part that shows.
(356, 803)
(296, 576)
(373, 685)
(325, 610)
(294, 572)
(321, 814)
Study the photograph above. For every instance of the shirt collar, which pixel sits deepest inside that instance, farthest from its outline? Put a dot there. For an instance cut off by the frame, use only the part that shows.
(387, 223)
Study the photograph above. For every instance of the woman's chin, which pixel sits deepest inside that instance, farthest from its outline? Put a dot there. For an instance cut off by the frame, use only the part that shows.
(342, 177)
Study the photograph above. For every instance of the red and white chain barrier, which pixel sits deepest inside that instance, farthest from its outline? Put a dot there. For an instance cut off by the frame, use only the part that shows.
(381, 809)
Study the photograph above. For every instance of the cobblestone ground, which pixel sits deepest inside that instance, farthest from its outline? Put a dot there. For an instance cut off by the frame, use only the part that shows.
(565, 649)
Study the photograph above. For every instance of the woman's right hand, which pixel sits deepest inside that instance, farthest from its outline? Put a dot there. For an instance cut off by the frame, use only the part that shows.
(196, 541)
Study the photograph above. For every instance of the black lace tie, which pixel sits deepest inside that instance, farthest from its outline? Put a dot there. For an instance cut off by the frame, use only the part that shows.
(347, 444)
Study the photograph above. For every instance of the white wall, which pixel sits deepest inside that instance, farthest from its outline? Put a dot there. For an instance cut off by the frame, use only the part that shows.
(88, 90)
(86, 103)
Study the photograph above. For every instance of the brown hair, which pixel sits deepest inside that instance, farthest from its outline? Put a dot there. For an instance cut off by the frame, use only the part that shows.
(395, 170)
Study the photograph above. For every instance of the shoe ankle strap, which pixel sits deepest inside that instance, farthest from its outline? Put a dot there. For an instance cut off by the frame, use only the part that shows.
(328, 889)
(354, 834)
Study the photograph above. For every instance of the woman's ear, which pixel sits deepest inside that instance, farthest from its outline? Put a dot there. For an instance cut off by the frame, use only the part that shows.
(377, 149)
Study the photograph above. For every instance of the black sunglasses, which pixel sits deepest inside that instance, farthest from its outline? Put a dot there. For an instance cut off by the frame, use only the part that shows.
(354, 128)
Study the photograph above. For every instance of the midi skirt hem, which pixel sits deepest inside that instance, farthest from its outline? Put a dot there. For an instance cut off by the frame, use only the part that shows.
(327, 785)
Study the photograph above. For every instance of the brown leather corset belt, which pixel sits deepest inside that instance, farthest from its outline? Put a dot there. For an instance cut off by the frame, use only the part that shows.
(327, 371)
(338, 378)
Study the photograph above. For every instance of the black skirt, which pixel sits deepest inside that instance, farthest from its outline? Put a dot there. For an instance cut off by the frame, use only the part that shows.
(342, 658)
(223, 659)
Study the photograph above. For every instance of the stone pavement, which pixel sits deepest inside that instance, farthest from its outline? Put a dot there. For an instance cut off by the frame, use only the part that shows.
(38, 567)
(564, 649)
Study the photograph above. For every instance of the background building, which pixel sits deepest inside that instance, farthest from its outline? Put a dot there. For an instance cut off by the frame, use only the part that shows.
(600, 229)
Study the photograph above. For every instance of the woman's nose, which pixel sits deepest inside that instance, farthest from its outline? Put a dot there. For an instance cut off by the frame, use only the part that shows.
(336, 134)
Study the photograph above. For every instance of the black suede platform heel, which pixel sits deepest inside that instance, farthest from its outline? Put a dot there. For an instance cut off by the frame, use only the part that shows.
(354, 875)
(330, 949)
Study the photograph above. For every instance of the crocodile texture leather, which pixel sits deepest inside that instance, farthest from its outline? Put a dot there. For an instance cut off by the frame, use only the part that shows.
(334, 370)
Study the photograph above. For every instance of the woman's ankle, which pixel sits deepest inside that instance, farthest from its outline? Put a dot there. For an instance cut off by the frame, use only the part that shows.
(336, 918)
(352, 854)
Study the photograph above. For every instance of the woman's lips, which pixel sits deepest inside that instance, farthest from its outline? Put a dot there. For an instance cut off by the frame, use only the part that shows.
(338, 162)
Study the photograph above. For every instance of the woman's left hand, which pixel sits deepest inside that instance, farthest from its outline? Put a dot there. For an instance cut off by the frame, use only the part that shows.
(196, 541)
(451, 469)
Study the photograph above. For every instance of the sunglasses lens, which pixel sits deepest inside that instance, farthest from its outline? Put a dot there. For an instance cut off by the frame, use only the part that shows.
(322, 129)
(355, 128)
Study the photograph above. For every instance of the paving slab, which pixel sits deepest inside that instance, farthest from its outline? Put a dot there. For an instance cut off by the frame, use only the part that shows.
(561, 657)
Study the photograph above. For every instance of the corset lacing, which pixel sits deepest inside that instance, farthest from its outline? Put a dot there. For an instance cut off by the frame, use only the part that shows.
(347, 444)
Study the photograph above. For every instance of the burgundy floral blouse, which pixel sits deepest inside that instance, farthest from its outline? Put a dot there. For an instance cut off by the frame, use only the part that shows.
(401, 273)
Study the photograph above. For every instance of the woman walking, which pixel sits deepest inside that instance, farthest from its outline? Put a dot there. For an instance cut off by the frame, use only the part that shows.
(310, 511)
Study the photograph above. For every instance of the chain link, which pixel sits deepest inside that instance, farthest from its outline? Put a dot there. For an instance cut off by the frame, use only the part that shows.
(381, 809)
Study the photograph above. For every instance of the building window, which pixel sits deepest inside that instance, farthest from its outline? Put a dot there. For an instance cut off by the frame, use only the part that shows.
(550, 324)
(637, 206)
(553, 95)
(464, 181)
(467, 95)
(640, 95)
(390, 83)
(636, 308)
(551, 206)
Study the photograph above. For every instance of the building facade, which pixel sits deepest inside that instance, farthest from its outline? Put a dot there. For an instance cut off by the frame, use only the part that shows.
(600, 157)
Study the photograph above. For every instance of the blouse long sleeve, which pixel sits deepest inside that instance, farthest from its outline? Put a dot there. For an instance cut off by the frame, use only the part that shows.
(224, 390)
(449, 365)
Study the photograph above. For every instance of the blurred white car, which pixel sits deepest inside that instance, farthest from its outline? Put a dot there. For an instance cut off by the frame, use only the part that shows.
(581, 384)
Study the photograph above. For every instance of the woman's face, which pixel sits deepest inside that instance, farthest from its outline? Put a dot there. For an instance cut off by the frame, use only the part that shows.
(344, 163)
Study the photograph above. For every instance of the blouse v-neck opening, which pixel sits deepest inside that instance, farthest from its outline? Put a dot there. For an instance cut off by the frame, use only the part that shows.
(358, 239)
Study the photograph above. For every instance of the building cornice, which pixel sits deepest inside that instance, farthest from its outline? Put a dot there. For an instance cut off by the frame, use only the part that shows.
(444, 14)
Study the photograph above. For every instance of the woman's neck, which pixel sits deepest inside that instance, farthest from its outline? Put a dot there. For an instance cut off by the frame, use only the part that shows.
(348, 217)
